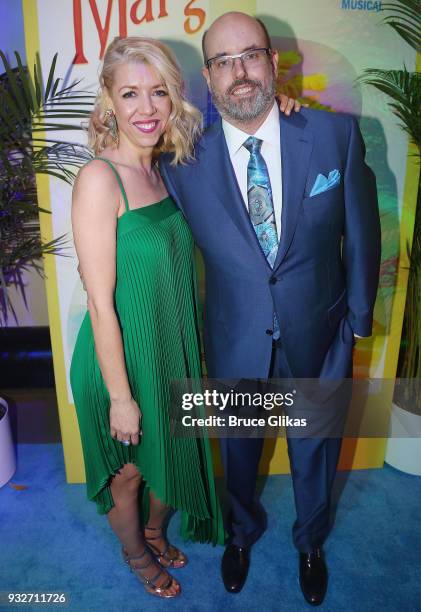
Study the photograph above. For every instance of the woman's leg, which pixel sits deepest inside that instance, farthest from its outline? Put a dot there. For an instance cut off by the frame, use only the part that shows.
(124, 517)
(124, 520)
(155, 535)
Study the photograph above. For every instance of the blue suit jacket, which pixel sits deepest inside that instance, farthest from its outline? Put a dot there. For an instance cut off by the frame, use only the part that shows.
(324, 282)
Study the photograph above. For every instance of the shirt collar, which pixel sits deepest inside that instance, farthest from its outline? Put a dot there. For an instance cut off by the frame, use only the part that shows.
(268, 132)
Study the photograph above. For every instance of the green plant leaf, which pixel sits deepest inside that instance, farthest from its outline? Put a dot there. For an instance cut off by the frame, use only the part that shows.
(29, 113)
(50, 79)
(405, 20)
(13, 84)
(404, 89)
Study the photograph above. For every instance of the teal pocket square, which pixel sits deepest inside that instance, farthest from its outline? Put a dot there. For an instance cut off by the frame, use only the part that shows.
(322, 183)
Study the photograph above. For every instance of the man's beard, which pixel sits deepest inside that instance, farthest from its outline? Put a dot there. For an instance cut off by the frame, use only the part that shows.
(244, 109)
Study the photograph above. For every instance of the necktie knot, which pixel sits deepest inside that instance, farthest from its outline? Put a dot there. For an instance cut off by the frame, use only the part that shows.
(253, 144)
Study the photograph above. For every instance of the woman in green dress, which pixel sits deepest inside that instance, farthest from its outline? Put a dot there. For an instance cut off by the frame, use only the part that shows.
(136, 258)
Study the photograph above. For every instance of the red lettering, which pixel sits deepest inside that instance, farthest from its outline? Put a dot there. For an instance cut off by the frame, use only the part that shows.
(162, 9)
(102, 31)
(122, 23)
(77, 24)
(198, 13)
(148, 16)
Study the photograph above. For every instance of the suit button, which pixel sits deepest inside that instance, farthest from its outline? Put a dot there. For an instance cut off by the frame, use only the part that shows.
(269, 332)
(273, 280)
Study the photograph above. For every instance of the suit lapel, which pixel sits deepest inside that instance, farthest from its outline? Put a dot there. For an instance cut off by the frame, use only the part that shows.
(223, 182)
(296, 148)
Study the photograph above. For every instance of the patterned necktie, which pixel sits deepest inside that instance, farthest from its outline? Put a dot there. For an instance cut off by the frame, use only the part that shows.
(259, 195)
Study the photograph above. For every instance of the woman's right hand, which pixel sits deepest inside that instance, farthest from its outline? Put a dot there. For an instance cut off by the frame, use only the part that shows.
(125, 420)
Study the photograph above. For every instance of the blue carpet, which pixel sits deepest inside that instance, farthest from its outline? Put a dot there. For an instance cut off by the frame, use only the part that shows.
(52, 539)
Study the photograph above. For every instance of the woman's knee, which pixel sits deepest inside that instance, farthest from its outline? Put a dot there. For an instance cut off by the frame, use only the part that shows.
(128, 478)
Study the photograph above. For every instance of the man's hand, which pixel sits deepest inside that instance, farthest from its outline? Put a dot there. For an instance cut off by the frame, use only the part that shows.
(286, 105)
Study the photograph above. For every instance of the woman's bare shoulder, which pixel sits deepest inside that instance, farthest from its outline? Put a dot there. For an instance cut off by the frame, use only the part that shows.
(96, 171)
(97, 179)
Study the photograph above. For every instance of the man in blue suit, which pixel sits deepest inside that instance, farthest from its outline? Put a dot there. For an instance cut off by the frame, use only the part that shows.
(284, 211)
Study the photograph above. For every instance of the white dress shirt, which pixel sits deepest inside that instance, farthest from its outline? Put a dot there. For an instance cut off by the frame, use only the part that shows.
(268, 132)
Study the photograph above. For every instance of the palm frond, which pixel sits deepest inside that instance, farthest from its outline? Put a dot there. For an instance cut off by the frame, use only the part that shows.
(405, 20)
(404, 89)
(31, 114)
(28, 108)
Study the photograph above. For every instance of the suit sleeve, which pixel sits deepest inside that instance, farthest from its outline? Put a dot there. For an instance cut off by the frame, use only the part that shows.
(166, 171)
(362, 237)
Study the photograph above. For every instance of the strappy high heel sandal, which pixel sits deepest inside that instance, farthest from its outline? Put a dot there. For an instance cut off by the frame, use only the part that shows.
(171, 556)
(149, 584)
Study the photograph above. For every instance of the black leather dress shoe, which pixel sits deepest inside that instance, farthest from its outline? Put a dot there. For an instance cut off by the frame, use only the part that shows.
(235, 567)
(313, 576)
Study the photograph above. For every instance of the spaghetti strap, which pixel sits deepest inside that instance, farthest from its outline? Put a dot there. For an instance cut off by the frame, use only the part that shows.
(120, 182)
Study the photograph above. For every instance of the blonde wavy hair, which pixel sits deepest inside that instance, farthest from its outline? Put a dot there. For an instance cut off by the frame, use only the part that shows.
(185, 122)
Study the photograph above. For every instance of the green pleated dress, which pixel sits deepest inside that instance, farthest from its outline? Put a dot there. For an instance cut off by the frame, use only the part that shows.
(156, 303)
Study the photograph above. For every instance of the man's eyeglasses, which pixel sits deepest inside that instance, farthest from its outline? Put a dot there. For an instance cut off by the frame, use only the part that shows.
(249, 59)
